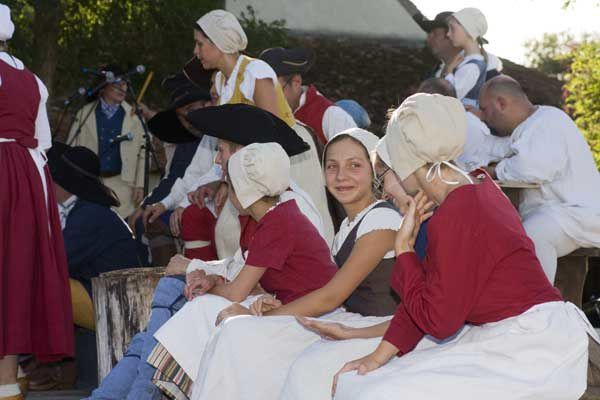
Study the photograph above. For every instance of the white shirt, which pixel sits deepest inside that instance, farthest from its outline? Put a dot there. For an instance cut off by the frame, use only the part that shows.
(256, 69)
(481, 147)
(465, 77)
(201, 171)
(378, 219)
(64, 209)
(335, 119)
(549, 149)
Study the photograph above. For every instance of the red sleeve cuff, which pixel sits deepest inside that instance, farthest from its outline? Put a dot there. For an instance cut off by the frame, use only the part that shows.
(403, 333)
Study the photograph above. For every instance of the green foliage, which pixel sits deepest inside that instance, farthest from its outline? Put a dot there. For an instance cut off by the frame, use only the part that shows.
(583, 86)
(156, 33)
(262, 35)
(551, 55)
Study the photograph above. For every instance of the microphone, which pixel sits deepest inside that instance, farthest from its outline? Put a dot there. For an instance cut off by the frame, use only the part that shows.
(126, 137)
(80, 92)
(109, 76)
(138, 69)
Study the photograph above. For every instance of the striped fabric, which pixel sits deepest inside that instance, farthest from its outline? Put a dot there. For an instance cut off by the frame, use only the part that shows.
(169, 377)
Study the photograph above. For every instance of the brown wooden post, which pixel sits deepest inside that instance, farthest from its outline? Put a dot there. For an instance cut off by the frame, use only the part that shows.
(122, 302)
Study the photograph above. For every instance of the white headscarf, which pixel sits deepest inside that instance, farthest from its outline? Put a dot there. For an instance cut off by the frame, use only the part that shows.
(258, 170)
(473, 20)
(364, 137)
(426, 128)
(224, 30)
(7, 28)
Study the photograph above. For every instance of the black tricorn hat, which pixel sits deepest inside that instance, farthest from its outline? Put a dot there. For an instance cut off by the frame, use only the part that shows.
(245, 124)
(288, 61)
(77, 170)
(165, 125)
(440, 21)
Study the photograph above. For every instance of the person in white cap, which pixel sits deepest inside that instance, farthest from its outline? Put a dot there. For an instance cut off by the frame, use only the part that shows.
(546, 147)
(35, 309)
(361, 286)
(219, 40)
(286, 255)
(481, 147)
(467, 73)
(464, 328)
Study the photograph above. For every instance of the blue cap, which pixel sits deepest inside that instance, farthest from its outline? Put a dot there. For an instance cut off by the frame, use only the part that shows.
(356, 111)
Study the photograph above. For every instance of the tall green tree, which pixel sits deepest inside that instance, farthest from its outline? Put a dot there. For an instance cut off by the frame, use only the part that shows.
(583, 86)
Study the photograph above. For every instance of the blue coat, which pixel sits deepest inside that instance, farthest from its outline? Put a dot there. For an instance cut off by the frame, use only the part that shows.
(97, 240)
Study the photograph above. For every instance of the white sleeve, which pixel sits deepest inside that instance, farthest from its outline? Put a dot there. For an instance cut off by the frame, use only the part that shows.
(540, 155)
(464, 79)
(256, 69)
(379, 219)
(198, 173)
(42, 125)
(228, 268)
(335, 120)
(481, 147)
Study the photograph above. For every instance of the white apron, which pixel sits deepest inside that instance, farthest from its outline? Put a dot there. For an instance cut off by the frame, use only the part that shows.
(249, 357)
(540, 354)
(186, 334)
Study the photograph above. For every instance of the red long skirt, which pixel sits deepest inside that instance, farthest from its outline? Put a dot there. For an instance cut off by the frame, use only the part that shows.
(35, 304)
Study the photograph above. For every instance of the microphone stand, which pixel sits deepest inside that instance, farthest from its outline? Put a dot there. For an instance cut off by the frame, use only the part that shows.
(89, 93)
(148, 147)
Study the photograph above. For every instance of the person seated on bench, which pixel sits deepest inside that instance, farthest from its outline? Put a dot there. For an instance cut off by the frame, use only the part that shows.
(96, 238)
(131, 377)
(361, 286)
(286, 255)
(481, 147)
(478, 315)
(548, 148)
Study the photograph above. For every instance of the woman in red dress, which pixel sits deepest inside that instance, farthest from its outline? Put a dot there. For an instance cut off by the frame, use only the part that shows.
(35, 309)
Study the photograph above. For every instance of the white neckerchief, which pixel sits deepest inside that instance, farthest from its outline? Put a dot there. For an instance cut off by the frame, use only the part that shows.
(65, 208)
(436, 169)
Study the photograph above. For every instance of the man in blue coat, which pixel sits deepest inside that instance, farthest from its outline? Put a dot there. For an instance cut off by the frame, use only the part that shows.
(96, 238)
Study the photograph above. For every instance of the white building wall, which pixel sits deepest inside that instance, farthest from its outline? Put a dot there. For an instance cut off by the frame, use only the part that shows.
(365, 18)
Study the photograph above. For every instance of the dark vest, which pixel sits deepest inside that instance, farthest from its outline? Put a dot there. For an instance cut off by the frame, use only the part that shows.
(474, 92)
(374, 296)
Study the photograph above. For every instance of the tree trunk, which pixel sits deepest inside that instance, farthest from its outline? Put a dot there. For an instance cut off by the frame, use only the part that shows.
(122, 301)
(46, 27)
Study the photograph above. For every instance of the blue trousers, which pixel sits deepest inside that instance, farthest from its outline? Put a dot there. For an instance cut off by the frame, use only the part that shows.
(131, 378)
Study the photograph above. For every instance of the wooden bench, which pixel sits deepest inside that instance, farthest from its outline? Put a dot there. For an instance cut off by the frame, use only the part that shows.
(571, 272)
(122, 301)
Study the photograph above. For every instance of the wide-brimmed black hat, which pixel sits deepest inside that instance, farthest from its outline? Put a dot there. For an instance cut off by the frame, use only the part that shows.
(245, 124)
(165, 125)
(77, 170)
(98, 80)
(440, 21)
(196, 74)
(288, 61)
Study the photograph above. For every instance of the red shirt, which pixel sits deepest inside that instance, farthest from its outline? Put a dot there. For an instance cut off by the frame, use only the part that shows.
(311, 113)
(295, 255)
(480, 266)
